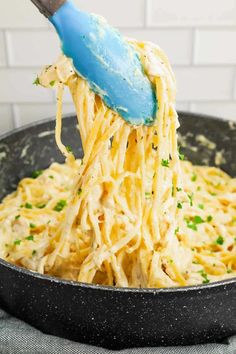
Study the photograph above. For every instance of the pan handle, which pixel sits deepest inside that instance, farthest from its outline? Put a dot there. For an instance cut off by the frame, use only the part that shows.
(48, 7)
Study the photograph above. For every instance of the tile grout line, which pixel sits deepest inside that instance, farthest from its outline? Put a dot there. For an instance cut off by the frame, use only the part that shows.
(38, 103)
(182, 66)
(233, 95)
(123, 27)
(212, 28)
(16, 116)
(194, 46)
(146, 11)
(9, 49)
(12, 116)
(6, 48)
(191, 106)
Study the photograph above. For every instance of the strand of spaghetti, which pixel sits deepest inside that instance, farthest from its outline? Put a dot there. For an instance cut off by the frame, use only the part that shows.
(59, 121)
(105, 137)
(158, 174)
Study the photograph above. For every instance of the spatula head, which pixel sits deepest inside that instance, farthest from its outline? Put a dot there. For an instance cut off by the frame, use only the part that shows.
(110, 65)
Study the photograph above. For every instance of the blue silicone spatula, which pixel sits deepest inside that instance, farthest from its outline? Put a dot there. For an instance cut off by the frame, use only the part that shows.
(102, 56)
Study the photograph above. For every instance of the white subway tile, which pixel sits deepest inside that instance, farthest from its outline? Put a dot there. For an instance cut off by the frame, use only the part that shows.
(120, 13)
(215, 47)
(204, 83)
(29, 113)
(234, 88)
(32, 48)
(67, 96)
(6, 119)
(20, 14)
(2, 50)
(177, 44)
(182, 106)
(69, 108)
(16, 85)
(218, 109)
(23, 14)
(191, 13)
(67, 99)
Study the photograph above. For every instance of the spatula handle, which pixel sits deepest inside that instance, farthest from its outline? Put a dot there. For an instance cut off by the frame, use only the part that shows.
(48, 7)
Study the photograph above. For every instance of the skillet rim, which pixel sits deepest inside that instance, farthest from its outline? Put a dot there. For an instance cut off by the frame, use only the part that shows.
(170, 290)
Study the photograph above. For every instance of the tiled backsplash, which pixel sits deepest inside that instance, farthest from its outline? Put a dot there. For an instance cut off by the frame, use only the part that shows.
(198, 36)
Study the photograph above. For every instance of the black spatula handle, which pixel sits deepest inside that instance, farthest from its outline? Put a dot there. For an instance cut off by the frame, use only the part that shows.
(48, 7)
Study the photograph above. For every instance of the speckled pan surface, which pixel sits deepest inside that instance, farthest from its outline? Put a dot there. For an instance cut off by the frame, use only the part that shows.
(112, 317)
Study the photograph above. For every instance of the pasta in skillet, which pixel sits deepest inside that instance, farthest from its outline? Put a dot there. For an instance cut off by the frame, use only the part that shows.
(131, 213)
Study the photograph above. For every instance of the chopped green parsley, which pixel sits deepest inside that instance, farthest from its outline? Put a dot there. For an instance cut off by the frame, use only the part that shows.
(192, 223)
(179, 205)
(190, 197)
(201, 206)
(28, 206)
(209, 218)
(165, 163)
(204, 276)
(194, 177)
(17, 242)
(36, 173)
(32, 226)
(181, 156)
(176, 230)
(17, 217)
(30, 238)
(220, 240)
(40, 206)
(68, 148)
(172, 191)
(36, 81)
(80, 191)
(52, 83)
(198, 220)
(60, 205)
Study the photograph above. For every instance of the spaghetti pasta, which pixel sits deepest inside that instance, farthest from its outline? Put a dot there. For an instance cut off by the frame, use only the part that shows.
(130, 213)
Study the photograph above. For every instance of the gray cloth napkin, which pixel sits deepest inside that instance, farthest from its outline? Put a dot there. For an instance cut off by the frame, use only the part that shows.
(17, 337)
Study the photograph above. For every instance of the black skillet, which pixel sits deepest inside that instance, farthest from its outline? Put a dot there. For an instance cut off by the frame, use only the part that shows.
(114, 317)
